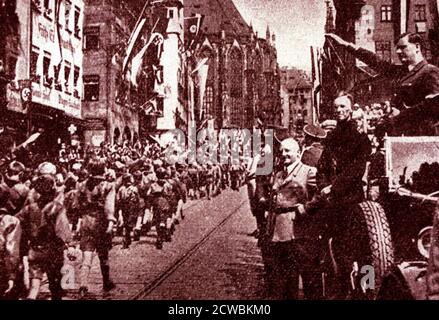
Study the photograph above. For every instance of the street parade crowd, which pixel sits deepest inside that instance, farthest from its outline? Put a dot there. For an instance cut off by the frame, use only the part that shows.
(73, 206)
(51, 207)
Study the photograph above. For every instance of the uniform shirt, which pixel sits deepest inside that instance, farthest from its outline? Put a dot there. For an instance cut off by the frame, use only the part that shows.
(410, 88)
(291, 188)
(343, 163)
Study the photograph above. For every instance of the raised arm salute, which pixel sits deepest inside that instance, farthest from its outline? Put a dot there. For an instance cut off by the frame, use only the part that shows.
(415, 82)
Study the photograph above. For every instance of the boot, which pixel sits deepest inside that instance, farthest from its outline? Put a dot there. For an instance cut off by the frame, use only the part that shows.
(136, 236)
(108, 284)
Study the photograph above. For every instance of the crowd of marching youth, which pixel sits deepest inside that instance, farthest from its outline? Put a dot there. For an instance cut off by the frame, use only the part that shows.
(79, 202)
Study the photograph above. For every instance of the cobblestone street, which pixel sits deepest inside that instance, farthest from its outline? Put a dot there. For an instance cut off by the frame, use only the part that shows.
(211, 257)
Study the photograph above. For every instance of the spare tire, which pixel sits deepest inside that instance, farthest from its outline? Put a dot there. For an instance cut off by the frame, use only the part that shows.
(371, 241)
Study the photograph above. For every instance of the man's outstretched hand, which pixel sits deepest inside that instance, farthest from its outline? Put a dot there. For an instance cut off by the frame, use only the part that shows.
(337, 39)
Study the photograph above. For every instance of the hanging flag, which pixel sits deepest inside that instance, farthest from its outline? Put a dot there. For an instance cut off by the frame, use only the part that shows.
(313, 67)
(193, 27)
(201, 72)
(136, 64)
(133, 39)
(57, 56)
(200, 64)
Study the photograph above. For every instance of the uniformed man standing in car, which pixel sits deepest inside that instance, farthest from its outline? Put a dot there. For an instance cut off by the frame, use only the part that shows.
(416, 83)
(340, 171)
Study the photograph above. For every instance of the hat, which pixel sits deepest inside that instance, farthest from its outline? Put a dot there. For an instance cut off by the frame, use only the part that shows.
(46, 168)
(15, 169)
(328, 124)
(314, 131)
(280, 133)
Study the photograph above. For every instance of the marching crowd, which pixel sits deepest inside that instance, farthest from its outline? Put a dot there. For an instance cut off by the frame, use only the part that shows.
(47, 208)
(84, 200)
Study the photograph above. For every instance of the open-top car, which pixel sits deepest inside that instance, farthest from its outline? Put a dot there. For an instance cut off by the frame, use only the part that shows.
(385, 248)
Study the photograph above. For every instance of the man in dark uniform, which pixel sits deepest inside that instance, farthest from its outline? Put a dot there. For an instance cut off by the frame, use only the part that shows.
(415, 81)
(313, 144)
(340, 171)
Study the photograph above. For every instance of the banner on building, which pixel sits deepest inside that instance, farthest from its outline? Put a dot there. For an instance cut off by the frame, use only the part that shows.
(193, 27)
(202, 71)
(132, 42)
(155, 39)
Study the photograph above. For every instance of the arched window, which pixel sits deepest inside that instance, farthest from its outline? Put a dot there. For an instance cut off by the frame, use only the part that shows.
(208, 100)
(208, 107)
(235, 73)
(259, 76)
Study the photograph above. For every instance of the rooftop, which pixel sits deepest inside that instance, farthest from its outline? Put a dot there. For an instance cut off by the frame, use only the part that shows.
(218, 15)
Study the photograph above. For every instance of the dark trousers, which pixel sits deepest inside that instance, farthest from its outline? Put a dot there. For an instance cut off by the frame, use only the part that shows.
(104, 262)
(285, 261)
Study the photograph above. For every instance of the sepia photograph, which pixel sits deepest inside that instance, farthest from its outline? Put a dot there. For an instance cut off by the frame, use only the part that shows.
(242, 151)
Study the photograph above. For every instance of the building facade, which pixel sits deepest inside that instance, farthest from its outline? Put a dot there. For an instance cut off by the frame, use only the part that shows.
(46, 88)
(173, 90)
(297, 98)
(243, 81)
(109, 111)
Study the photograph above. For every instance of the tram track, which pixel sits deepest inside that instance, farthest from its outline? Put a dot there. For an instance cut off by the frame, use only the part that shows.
(158, 280)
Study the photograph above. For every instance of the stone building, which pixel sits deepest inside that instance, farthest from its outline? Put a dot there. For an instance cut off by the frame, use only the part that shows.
(45, 88)
(297, 99)
(108, 108)
(243, 77)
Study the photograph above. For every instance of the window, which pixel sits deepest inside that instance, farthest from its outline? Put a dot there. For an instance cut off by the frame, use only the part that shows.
(91, 38)
(56, 70)
(67, 70)
(34, 63)
(160, 106)
(46, 66)
(171, 13)
(68, 7)
(208, 100)
(386, 13)
(383, 50)
(420, 12)
(75, 76)
(76, 22)
(236, 74)
(47, 9)
(91, 88)
(76, 72)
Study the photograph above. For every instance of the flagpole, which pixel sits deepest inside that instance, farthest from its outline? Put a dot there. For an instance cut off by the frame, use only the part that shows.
(133, 34)
(139, 19)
